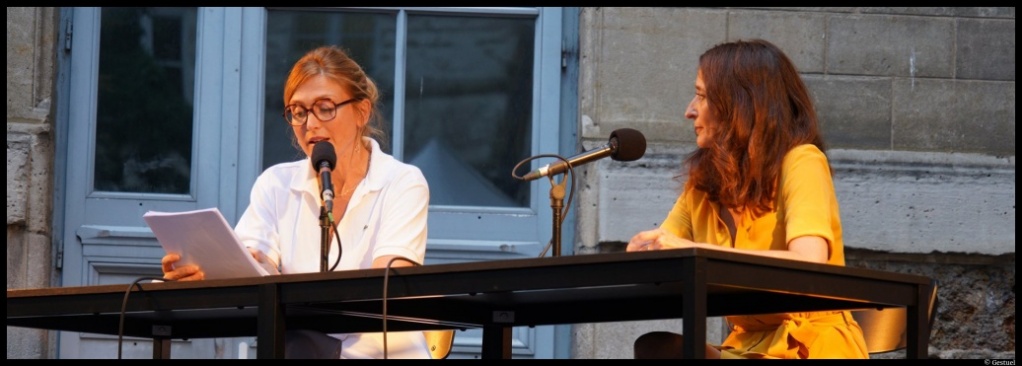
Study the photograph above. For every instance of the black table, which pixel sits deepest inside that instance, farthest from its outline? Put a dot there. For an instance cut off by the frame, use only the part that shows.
(495, 296)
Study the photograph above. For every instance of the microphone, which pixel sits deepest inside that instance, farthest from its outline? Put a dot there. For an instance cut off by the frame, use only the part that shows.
(323, 160)
(625, 144)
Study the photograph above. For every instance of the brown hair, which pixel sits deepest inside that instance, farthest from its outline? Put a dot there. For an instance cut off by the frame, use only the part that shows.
(762, 110)
(335, 64)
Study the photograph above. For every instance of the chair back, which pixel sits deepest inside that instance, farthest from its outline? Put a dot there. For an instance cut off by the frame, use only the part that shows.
(440, 342)
(885, 330)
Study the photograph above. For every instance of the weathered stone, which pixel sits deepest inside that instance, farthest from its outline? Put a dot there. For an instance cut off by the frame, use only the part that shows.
(985, 49)
(17, 178)
(976, 299)
(884, 45)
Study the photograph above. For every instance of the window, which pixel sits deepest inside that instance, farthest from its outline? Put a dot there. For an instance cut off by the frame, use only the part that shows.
(144, 111)
(464, 113)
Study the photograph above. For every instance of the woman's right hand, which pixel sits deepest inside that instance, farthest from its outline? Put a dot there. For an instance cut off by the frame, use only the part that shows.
(190, 272)
(264, 261)
(657, 239)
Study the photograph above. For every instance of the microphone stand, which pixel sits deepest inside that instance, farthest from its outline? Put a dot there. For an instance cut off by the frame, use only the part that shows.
(324, 238)
(556, 204)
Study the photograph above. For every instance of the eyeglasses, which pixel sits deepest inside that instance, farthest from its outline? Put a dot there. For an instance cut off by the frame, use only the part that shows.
(324, 109)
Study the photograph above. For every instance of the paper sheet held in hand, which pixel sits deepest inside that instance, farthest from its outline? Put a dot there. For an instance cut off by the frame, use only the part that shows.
(204, 237)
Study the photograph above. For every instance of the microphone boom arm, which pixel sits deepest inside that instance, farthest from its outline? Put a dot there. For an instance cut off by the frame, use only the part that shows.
(625, 144)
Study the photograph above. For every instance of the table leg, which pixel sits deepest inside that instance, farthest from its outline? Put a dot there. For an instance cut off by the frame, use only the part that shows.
(161, 348)
(496, 342)
(271, 323)
(694, 313)
(918, 336)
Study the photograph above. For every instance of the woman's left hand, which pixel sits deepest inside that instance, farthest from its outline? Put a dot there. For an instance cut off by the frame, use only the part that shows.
(657, 239)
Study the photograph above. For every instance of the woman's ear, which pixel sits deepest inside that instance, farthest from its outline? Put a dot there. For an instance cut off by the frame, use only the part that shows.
(365, 109)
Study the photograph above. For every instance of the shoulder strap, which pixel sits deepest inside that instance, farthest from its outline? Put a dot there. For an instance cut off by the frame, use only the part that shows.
(729, 220)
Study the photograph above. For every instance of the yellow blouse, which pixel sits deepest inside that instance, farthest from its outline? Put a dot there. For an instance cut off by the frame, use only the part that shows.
(806, 205)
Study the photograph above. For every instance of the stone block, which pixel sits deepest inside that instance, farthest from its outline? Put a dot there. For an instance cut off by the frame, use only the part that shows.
(639, 64)
(16, 257)
(637, 196)
(18, 154)
(799, 35)
(40, 192)
(985, 117)
(28, 259)
(954, 116)
(927, 11)
(890, 46)
(678, 130)
(31, 32)
(854, 112)
(985, 49)
(923, 115)
(1006, 12)
(39, 259)
(27, 343)
(21, 52)
(808, 9)
(914, 202)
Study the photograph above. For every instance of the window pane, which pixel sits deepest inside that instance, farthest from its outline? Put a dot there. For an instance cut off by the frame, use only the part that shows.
(367, 37)
(469, 106)
(144, 113)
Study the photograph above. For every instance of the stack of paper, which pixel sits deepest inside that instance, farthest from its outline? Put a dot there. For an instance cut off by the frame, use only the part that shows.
(204, 238)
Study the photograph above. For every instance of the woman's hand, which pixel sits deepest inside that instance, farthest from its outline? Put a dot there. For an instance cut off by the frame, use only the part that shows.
(264, 261)
(805, 248)
(183, 273)
(657, 239)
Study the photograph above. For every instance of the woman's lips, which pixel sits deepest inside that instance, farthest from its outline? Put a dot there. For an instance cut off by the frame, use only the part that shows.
(314, 140)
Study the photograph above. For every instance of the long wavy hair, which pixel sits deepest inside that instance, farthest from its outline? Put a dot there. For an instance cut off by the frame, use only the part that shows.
(761, 110)
(335, 64)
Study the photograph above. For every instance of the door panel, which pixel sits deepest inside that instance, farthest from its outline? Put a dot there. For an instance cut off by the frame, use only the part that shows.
(137, 141)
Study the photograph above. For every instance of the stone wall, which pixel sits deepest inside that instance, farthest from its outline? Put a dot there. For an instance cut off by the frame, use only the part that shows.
(31, 38)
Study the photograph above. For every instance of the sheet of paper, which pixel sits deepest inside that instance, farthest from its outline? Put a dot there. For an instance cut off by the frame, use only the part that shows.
(204, 237)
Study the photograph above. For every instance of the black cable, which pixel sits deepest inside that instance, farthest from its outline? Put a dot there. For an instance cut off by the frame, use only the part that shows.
(571, 194)
(386, 280)
(124, 306)
(340, 249)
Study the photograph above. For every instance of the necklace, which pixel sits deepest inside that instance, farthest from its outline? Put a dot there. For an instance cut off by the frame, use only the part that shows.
(344, 197)
(345, 191)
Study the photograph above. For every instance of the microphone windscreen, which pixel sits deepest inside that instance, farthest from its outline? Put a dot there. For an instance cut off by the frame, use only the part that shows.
(323, 151)
(631, 144)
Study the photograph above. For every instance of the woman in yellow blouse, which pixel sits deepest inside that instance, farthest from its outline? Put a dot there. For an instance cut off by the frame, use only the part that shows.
(760, 184)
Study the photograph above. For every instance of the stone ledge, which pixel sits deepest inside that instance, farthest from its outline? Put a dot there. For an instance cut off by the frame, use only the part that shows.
(857, 254)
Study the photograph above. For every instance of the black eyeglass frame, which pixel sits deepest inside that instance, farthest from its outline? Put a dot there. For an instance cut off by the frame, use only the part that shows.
(316, 109)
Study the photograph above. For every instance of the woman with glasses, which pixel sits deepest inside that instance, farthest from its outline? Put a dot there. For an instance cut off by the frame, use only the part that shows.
(378, 218)
(760, 184)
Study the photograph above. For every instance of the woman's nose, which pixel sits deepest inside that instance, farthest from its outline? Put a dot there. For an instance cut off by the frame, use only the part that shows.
(309, 122)
(690, 112)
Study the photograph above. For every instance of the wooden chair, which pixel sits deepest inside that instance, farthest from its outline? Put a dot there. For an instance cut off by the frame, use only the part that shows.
(885, 329)
(440, 342)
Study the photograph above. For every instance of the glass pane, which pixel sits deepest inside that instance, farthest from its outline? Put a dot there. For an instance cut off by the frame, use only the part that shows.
(469, 106)
(367, 37)
(144, 113)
